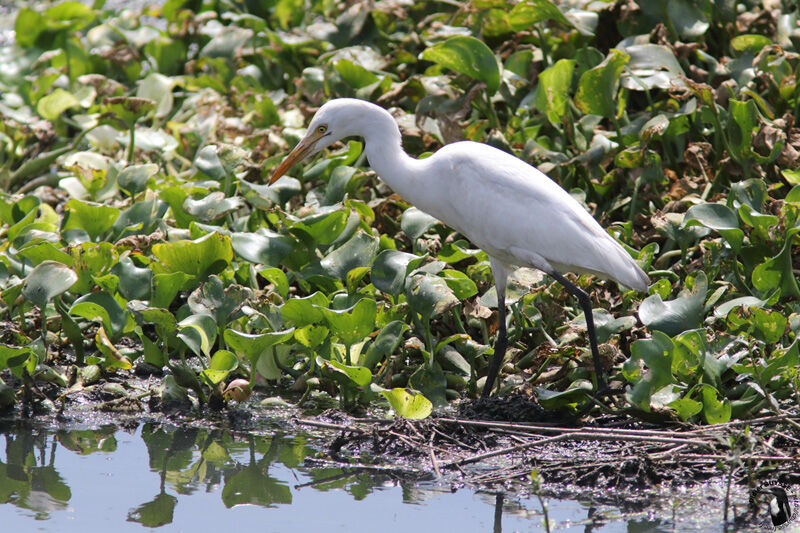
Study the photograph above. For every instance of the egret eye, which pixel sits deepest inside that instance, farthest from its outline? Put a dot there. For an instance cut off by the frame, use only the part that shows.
(322, 129)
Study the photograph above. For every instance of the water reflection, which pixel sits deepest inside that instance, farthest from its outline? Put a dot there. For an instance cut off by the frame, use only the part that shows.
(204, 479)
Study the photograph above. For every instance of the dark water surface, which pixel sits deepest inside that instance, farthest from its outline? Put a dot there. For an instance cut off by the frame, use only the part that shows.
(109, 478)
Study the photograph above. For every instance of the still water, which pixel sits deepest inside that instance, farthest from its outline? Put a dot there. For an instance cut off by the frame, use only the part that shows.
(110, 478)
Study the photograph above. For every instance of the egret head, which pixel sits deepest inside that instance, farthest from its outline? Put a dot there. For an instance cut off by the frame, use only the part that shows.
(330, 123)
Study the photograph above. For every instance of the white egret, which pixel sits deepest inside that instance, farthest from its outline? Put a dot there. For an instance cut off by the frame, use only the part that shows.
(514, 212)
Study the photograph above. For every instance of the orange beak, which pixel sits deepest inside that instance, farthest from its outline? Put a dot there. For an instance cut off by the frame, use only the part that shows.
(300, 152)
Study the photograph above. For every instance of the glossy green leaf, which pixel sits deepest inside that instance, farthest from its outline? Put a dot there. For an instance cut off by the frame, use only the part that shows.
(277, 277)
(95, 219)
(597, 87)
(469, 56)
(253, 346)
(102, 306)
(357, 252)
(390, 268)
(415, 222)
(46, 281)
(385, 343)
(221, 365)
(357, 374)
(750, 43)
(431, 382)
(212, 206)
(719, 218)
(200, 258)
(656, 354)
(429, 295)
(198, 332)
(355, 75)
(54, 104)
(527, 13)
(461, 285)
(301, 312)
(265, 247)
(552, 96)
(353, 324)
(311, 335)
(716, 408)
(674, 316)
(134, 282)
(408, 404)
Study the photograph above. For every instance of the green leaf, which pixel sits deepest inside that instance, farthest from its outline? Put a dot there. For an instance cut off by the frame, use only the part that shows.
(200, 258)
(687, 18)
(212, 206)
(103, 306)
(408, 403)
(353, 324)
(769, 325)
(384, 345)
(94, 219)
(678, 315)
(742, 128)
(750, 43)
(529, 12)
(14, 358)
(253, 346)
(716, 408)
(277, 277)
(222, 303)
(390, 268)
(356, 76)
(657, 355)
(264, 247)
(51, 106)
(578, 392)
(324, 227)
(301, 312)
(431, 382)
(469, 56)
(198, 332)
(311, 335)
(719, 218)
(222, 363)
(552, 95)
(46, 281)
(776, 272)
(415, 222)
(135, 283)
(461, 285)
(357, 252)
(357, 374)
(429, 295)
(597, 87)
(28, 26)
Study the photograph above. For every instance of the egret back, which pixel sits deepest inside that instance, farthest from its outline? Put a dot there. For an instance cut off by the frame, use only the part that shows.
(517, 214)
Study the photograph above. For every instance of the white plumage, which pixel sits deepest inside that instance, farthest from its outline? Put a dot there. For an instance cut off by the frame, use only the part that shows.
(508, 208)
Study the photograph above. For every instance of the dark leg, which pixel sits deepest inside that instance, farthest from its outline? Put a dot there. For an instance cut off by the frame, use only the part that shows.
(500, 343)
(586, 305)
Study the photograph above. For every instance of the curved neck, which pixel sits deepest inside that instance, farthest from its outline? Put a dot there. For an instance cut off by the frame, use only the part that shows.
(383, 146)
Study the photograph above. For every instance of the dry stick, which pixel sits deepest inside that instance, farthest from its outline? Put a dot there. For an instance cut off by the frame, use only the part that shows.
(453, 439)
(578, 436)
(531, 428)
(667, 453)
(433, 458)
(753, 457)
(362, 466)
(755, 421)
(326, 425)
(413, 444)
